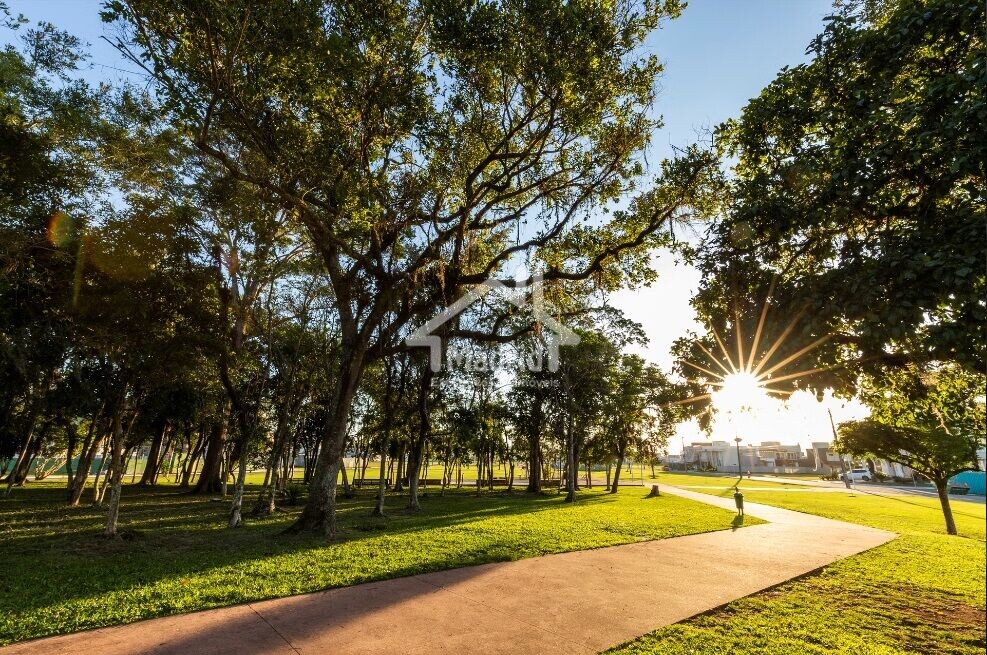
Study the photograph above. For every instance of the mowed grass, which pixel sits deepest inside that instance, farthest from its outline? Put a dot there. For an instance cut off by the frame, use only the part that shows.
(922, 593)
(60, 575)
(720, 483)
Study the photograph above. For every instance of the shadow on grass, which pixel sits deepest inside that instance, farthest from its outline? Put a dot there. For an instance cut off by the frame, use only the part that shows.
(56, 554)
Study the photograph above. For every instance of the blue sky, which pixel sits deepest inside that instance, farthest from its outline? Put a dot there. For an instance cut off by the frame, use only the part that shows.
(717, 55)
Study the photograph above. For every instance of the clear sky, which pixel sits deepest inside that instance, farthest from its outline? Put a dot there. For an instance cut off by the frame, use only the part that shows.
(717, 55)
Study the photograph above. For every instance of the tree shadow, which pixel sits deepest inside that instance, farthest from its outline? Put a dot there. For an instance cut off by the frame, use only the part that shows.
(181, 537)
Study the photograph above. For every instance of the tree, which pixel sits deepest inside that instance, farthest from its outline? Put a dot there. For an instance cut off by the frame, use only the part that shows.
(637, 391)
(930, 419)
(858, 187)
(580, 398)
(50, 179)
(418, 160)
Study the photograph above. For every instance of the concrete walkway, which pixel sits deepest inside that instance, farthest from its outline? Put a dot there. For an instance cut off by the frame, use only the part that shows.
(887, 490)
(572, 603)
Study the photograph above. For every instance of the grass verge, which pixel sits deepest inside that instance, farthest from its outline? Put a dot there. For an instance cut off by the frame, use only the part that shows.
(922, 593)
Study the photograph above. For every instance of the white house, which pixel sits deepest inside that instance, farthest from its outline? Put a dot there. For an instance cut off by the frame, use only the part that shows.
(768, 457)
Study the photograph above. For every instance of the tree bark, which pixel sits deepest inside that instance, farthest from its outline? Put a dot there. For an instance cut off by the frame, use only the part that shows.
(153, 456)
(116, 466)
(236, 508)
(399, 478)
(319, 514)
(942, 488)
(267, 500)
(534, 446)
(16, 475)
(417, 450)
(418, 446)
(89, 449)
(210, 480)
(381, 482)
(73, 440)
(192, 461)
(570, 465)
(616, 471)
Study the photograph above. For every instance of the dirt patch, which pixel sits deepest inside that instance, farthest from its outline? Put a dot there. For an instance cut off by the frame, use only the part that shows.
(957, 614)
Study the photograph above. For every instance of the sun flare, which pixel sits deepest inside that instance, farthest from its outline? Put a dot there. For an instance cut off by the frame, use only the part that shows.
(739, 392)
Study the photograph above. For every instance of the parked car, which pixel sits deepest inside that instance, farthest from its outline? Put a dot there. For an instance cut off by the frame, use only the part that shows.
(857, 475)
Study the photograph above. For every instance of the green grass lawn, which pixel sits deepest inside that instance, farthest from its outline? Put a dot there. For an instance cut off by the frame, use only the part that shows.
(60, 575)
(719, 483)
(922, 593)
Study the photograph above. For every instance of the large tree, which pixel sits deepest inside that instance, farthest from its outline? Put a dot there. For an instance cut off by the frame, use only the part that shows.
(930, 419)
(422, 146)
(858, 195)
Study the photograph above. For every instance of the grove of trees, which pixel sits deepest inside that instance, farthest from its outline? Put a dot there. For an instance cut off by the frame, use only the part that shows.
(215, 270)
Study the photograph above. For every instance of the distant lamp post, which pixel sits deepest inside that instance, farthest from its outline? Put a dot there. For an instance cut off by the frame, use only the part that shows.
(740, 469)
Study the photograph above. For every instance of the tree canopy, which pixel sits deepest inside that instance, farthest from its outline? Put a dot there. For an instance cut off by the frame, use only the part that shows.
(856, 198)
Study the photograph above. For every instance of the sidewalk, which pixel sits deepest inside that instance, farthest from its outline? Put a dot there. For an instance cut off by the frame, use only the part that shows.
(864, 488)
(573, 603)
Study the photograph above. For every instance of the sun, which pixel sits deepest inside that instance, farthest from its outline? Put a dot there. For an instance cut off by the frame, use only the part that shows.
(745, 378)
(739, 392)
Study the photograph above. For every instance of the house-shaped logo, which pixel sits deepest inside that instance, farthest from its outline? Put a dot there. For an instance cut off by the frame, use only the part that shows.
(557, 333)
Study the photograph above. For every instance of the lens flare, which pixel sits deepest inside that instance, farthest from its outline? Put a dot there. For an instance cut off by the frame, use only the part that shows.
(61, 229)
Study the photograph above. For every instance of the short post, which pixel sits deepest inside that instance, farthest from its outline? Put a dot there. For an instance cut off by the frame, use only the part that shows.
(738, 498)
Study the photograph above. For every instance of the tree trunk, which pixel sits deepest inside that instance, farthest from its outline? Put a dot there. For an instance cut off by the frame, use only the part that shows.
(210, 480)
(236, 509)
(381, 482)
(479, 472)
(616, 471)
(414, 463)
(224, 472)
(534, 451)
(153, 456)
(102, 463)
(89, 449)
(73, 440)
(116, 466)
(942, 488)
(570, 465)
(23, 468)
(446, 463)
(399, 479)
(193, 459)
(267, 500)
(576, 454)
(32, 422)
(418, 447)
(319, 514)
(346, 480)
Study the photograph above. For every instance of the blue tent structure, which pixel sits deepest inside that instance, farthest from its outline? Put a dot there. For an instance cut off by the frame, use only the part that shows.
(976, 480)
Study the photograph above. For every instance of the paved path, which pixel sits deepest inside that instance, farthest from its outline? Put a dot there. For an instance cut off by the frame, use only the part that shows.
(889, 490)
(572, 603)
